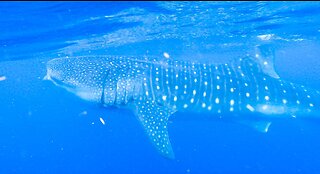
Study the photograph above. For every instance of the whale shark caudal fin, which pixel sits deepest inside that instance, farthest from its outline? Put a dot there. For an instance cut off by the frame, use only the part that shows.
(265, 58)
(154, 119)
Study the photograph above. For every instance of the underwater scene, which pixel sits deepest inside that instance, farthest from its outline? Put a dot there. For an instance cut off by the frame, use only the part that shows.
(159, 87)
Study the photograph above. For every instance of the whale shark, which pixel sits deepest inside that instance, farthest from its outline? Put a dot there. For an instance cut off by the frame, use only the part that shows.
(247, 90)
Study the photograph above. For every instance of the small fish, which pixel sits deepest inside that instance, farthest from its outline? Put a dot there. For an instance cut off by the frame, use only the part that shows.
(156, 89)
(102, 121)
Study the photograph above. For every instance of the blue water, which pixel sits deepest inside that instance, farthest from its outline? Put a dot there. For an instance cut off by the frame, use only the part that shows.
(45, 129)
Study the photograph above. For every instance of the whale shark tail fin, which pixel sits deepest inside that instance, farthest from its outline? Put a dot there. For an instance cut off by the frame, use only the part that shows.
(265, 58)
(154, 119)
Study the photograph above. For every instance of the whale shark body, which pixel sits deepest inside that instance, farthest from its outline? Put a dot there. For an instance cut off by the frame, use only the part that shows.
(156, 89)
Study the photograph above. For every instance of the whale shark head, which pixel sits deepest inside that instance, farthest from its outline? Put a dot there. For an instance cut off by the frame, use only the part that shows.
(83, 77)
(115, 81)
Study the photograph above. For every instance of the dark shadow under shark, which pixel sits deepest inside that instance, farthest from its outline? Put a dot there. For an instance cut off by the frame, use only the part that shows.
(248, 88)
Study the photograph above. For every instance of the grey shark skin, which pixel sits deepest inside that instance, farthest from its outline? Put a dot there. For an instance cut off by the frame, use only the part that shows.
(154, 90)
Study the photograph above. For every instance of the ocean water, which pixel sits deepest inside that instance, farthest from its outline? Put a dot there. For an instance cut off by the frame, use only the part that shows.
(45, 129)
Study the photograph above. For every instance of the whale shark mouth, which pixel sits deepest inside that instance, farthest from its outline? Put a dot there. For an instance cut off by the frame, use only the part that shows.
(58, 82)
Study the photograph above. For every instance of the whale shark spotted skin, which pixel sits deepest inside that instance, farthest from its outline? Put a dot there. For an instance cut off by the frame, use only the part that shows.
(155, 89)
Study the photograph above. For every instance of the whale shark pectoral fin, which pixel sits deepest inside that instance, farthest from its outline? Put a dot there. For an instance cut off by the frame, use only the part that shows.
(265, 58)
(261, 126)
(154, 119)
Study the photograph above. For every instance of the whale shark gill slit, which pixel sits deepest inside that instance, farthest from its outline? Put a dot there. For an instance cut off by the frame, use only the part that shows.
(103, 87)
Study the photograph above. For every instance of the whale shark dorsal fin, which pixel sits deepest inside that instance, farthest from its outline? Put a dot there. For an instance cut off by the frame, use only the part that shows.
(265, 58)
(154, 119)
